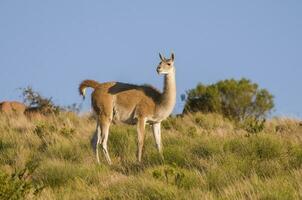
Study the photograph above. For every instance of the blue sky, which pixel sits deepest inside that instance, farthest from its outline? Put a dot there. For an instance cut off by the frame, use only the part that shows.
(53, 45)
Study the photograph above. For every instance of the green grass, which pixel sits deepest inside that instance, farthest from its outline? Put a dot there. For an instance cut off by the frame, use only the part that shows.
(205, 157)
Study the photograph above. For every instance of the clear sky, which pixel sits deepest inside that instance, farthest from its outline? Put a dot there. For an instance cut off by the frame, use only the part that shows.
(53, 45)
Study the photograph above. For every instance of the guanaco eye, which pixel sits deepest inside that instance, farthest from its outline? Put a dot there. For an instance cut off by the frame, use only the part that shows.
(169, 64)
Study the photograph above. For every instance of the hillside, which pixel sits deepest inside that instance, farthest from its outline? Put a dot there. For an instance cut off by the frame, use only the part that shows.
(206, 157)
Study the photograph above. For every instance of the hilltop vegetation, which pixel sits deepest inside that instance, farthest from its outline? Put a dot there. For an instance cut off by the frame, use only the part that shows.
(235, 99)
(206, 157)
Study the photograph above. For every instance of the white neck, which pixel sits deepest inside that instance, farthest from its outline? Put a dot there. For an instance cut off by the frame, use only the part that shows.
(168, 97)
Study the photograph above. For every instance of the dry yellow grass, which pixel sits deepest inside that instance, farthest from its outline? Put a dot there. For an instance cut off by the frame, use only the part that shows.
(206, 157)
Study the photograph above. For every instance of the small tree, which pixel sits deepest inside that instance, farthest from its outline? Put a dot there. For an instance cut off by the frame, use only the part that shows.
(38, 103)
(235, 99)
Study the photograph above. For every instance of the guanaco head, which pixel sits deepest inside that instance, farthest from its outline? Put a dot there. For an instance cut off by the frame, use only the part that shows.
(166, 66)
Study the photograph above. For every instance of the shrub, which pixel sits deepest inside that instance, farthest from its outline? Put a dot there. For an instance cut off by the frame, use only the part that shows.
(38, 103)
(234, 99)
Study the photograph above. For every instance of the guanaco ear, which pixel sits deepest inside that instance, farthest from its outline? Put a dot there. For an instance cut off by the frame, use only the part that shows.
(172, 56)
(161, 57)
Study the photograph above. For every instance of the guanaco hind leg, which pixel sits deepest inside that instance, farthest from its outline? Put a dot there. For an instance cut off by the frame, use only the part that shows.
(140, 137)
(96, 140)
(105, 133)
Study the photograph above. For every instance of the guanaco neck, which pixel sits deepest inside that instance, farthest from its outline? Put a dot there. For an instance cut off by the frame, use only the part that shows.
(168, 97)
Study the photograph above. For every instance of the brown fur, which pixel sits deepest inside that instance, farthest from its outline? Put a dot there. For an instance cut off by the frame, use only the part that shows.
(132, 104)
(136, 100)
(88, 83)
(12, 107)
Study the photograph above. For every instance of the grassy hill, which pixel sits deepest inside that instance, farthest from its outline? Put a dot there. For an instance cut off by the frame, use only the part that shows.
(206, 157)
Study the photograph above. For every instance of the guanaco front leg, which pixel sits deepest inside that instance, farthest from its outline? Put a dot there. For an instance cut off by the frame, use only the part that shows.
(157, 137)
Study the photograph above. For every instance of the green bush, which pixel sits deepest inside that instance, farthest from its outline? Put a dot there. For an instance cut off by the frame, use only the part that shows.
(234, 99)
